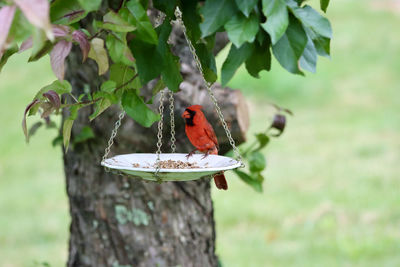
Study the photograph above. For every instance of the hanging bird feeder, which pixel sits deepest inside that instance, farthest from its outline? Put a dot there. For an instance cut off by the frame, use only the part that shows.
(173, 166)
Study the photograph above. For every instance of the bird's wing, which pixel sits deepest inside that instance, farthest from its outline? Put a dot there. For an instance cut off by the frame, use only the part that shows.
(211, 134)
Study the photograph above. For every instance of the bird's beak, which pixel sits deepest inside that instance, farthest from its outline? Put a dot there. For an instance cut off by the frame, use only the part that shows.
(186, 115)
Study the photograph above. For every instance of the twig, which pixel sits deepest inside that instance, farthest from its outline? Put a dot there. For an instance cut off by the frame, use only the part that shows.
(126, 83)
(96, 34)
(73, 97)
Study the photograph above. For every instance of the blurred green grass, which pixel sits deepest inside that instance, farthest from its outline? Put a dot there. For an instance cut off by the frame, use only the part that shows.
(332, 193)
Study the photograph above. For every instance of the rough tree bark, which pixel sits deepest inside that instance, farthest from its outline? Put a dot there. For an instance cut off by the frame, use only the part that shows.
(121, 221)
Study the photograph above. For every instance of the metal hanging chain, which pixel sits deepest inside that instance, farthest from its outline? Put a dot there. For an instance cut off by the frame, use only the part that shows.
(113, 134)
(172, 123)
(178, 15)
(159, 135)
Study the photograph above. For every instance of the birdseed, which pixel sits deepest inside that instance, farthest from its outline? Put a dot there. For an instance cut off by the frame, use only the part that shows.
(172, 164)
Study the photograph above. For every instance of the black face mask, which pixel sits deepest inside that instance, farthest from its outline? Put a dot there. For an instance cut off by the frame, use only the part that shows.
(189, 121)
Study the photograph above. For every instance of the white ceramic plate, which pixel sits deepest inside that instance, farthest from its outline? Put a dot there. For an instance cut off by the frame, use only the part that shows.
(209, 165)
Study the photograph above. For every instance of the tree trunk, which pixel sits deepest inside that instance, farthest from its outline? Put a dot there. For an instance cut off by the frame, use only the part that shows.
(122, 221)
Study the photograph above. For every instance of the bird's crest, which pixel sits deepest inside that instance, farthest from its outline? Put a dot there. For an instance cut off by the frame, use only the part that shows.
(195, 107)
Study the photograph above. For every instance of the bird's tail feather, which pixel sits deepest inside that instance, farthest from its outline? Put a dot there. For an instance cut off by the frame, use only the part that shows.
(220, 181)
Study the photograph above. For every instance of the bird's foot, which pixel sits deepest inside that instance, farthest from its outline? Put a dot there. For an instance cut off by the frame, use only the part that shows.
(190, 154)
(205, 155)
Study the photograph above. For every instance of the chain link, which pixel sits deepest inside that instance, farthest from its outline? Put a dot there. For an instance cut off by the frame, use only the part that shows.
(172, 122)
(111, 142)
(178, 15)
(113, 134)
(159, 135)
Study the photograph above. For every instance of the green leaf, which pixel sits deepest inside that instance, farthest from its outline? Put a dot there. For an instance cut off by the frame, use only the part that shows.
(118, 49)
(7, 54)
(241, 29)
(108, 86)
(262, 139)
(148, 60)
(66, 12)
(192, 19)
(113, 21)
(316, 26)
(20, 29)
(311, 19)
(41, 46)
(290, 47)
(99, 54)
(137, 109)
(158, 87)
(257, 162)
(171, 71)
(145, 30)
(216, 14)
(322, 44)
(260, 59)
(308, 60)
(207, 61)
(90, 5)
(256, 184)
(324, 4)
(235, 58)
(277, 18)
(67, 126)
(73, 112)
(85, 134)
(122, 74)
(246, 6)
(166, 6)
(100, 106)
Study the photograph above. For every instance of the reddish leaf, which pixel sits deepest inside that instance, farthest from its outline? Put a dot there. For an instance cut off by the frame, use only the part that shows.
(83, 42)
(57, 57)
(26, 45)
(37, 12)
(60, 31)
(6, 18)
(24, 128)
(53, 97)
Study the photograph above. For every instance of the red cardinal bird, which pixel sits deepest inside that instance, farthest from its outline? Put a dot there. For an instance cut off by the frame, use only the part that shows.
(202, 136)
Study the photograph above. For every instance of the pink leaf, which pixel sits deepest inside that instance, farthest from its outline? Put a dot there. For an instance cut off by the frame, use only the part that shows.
(24, 128)
(37, 12)
(57, 57)
(26, 45)
(6, 18)
(83, 42)
(60, 30)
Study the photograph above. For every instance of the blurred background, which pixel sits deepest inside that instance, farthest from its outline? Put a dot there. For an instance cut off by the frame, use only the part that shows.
(332, 190)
